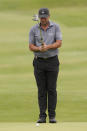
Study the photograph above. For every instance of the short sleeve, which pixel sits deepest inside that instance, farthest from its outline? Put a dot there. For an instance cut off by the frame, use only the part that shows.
(58, 33)
(31, 36)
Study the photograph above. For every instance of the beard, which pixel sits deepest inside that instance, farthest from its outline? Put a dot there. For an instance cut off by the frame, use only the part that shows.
(45, 23)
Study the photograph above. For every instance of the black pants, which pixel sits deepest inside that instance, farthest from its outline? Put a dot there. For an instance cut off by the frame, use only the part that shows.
(46, 73)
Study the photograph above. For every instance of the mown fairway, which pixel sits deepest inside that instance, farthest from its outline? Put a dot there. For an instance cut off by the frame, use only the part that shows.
(18, 91)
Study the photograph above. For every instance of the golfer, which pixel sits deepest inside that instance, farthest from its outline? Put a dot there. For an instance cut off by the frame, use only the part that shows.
(46, 63)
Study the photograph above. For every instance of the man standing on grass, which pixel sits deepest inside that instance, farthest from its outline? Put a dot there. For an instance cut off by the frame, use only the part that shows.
(46, 63)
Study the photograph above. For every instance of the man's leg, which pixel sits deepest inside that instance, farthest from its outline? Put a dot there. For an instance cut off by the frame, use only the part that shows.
(42, 91)
(51, 77)
(52, 93)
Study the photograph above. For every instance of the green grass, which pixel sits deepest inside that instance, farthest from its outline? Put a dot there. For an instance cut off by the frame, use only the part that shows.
(49, 127)
(28, 4)
(18, 91)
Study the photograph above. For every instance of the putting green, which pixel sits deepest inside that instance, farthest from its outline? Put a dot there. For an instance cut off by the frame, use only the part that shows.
(78, 126)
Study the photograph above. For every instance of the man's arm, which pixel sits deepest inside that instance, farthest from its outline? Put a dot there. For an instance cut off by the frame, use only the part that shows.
(45, 47)
(55, 45)
(32, 47)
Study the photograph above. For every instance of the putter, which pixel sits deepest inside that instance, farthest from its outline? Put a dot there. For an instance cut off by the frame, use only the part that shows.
(35, 18)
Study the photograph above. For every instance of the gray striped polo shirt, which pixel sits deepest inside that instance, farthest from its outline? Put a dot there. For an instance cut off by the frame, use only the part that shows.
(50, 36)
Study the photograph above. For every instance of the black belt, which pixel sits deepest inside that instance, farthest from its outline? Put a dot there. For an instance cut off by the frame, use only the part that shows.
(36, 57)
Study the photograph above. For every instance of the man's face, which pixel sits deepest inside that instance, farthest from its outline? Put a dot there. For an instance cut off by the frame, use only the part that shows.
(44, 21)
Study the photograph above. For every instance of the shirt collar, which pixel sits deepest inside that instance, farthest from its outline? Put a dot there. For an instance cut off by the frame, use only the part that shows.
(51, 24)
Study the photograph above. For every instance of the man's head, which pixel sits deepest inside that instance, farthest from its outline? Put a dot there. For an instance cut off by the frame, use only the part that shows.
(44, 16)
(43, 13)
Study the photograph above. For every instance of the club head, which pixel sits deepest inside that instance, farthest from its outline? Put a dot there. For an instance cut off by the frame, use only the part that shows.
(35, 18)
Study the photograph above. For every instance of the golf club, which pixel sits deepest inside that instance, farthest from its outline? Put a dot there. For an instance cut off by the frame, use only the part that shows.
(35, 18)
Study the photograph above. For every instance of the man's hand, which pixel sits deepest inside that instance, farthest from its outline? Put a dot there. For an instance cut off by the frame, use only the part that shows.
(43, 48)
